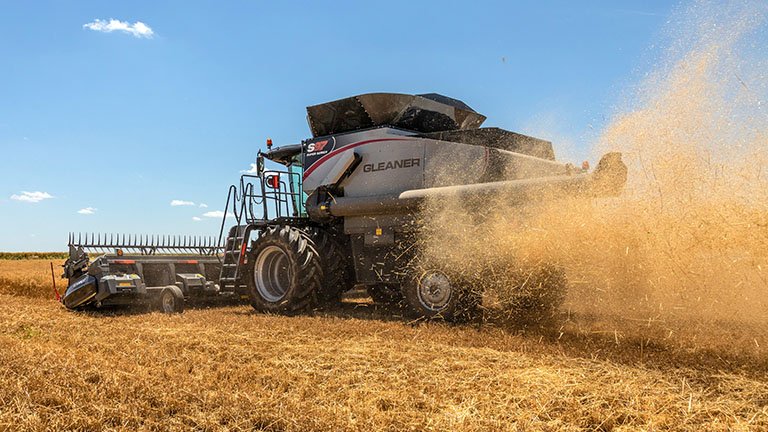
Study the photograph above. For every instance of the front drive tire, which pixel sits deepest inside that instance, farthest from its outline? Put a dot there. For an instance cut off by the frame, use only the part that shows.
(283, 273)
(433, 295)
(336, 260)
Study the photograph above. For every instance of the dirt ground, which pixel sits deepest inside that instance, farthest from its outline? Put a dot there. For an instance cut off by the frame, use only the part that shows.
(358, 367)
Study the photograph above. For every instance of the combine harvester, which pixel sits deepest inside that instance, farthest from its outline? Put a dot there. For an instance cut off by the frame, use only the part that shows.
(340, 211)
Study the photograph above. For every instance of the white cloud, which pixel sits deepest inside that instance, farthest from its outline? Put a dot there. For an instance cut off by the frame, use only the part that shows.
(32, 197)
(203, 205)
(196, 219)
(137, 29)
(87, 211)
(177, 203)
(251, 170)
(216, 214)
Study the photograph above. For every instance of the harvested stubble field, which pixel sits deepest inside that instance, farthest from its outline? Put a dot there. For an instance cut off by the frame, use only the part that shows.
(359, 368)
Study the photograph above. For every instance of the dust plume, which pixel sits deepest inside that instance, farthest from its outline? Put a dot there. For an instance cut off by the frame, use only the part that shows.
(688, 237)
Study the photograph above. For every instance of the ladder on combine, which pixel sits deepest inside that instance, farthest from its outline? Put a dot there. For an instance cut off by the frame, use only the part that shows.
(266, 199)
(234, 257)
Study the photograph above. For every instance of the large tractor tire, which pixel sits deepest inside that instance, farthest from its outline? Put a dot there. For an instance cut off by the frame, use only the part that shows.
(336, 260)
(284, 272)
(431, 294)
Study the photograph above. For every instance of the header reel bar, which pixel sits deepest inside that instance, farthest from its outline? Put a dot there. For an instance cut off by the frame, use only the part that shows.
(145, 244)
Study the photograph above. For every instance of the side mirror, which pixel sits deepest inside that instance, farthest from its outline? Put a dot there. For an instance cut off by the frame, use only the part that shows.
(259, 164)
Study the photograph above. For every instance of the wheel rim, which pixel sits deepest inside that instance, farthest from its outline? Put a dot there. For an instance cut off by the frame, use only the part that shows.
(434, 291)
(168, 302)
(272, 274)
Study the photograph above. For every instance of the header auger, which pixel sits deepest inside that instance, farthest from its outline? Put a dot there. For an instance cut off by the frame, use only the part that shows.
(339, 210)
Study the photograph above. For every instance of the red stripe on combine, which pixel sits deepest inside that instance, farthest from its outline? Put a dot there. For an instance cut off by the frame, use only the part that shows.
(325, 158)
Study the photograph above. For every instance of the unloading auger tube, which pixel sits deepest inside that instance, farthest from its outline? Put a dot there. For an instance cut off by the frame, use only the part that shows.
(338, 210)
(607, 180)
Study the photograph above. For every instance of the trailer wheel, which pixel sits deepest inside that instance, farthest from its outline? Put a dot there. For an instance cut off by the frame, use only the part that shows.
(432, 294)
(336, 259)
(171, 300)
(283, 273)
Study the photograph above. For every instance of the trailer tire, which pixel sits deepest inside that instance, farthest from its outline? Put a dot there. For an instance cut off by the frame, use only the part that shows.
(336, 260)
(171, 300)
(283, 273)
(433, 295)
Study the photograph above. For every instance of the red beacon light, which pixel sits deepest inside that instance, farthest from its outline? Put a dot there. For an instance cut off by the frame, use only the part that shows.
(269, 143)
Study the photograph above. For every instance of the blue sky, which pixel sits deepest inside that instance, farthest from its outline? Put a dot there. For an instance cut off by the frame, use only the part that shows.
(125, 122)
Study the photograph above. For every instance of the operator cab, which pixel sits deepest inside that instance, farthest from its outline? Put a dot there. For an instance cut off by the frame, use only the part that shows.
(283, 193)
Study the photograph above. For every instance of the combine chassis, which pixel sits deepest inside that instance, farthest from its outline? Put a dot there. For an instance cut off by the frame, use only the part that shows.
(343, 209)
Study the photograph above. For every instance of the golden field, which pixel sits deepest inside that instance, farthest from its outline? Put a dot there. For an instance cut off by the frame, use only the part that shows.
(29, 277)
(360, 368)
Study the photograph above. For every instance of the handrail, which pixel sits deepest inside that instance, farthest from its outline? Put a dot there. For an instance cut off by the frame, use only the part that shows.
(231, 192)
(244, 199)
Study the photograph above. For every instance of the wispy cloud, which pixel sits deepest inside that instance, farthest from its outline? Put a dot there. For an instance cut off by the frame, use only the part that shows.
(203, 205)
(87, 211)
(178, 203)
(32, 197)
(137, 29)
(196, 219)
(215, 214)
